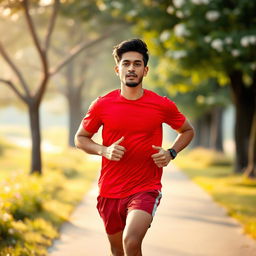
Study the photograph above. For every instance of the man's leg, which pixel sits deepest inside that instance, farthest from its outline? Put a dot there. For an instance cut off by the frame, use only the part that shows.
(116, 244)
(137, 224)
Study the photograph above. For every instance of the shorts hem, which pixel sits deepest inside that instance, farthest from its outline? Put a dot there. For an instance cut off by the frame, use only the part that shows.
(140, 210)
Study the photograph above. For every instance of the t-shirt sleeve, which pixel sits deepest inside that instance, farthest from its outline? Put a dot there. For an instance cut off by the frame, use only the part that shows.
(92, 121)
(173, 116)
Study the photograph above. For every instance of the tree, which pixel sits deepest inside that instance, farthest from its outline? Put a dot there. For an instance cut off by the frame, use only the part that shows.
(32, 100)
(32, 97)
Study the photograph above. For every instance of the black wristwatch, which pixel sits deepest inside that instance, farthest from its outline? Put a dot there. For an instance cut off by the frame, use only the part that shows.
(173, 152)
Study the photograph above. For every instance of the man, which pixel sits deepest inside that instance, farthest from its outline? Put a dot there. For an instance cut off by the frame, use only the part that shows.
(132, 157)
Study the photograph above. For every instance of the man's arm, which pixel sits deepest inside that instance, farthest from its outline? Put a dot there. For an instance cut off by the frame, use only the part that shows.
(186, 134)
(83, 141)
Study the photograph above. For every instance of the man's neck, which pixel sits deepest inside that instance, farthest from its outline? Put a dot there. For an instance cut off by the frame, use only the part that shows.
(132, 93)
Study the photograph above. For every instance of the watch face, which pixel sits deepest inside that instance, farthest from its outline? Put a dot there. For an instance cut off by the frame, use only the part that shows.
(173, 153)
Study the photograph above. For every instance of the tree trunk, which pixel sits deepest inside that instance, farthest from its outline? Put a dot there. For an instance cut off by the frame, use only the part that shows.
(74, 98)
(250, 170)
(202, 128)
(216, 135)
(75, 116)
(36, 163)
(244, 100)
(205, 131)
(196, 141)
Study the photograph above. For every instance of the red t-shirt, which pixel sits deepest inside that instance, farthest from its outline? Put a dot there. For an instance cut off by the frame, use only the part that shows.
(140, 122)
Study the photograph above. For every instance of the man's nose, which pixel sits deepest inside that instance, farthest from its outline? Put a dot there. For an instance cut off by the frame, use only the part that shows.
(131, 67)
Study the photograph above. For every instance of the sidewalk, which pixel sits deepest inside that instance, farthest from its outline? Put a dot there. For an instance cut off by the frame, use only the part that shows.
(187, 223)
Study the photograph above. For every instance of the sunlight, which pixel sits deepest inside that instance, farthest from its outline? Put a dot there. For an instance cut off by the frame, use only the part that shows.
(46, 2)
(6, 12)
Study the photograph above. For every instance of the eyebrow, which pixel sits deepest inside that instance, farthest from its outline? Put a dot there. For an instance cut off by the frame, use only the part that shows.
(140, 61)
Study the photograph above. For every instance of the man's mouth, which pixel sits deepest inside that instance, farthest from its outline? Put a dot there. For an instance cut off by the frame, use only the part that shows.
(131, 75)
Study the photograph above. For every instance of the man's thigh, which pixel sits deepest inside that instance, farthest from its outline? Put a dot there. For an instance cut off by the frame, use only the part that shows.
(137, 224)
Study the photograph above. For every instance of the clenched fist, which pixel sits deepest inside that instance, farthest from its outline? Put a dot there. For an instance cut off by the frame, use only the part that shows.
(114, 152)
(162, 158)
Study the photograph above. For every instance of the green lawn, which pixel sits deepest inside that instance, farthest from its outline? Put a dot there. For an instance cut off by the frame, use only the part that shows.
(32, 207)
(235, 192)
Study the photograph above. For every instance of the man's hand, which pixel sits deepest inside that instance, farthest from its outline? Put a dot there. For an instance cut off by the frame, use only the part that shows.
(162, 158)
(114, 152)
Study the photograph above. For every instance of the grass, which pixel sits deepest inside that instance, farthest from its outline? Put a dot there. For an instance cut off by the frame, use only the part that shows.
(32, 207)
(214, 173)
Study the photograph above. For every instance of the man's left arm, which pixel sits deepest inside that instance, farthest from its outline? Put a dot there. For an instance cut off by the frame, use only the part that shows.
(185, 135)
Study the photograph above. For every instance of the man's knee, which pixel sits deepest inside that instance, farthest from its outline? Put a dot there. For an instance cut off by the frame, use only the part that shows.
(117, 251)
(132, 243)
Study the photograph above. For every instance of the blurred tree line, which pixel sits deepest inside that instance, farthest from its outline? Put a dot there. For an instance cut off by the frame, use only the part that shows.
(199, 49)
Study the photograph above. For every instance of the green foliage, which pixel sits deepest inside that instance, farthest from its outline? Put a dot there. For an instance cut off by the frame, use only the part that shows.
(196, 39)
(93, 14)
(33, 207)
(84, 10)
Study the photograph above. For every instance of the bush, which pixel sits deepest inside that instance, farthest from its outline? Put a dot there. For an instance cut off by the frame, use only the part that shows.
(33, 207)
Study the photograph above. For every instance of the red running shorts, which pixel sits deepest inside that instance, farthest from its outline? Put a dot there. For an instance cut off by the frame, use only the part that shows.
(114, 211)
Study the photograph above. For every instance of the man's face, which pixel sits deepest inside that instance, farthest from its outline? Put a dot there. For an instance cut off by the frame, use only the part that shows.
(131, 69)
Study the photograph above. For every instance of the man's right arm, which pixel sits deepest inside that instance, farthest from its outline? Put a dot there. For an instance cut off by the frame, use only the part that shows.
(83, 141)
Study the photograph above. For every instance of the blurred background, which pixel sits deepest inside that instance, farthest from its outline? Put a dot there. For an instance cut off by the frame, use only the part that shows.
(56, 58)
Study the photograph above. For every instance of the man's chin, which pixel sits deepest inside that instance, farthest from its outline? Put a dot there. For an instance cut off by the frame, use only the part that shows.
(131, 84)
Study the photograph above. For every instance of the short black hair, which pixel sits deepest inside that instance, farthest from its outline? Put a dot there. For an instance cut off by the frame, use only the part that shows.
(132, 45)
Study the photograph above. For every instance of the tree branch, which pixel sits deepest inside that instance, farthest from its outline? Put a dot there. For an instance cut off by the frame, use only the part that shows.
(42, 87)
(51, 25)
(16, 91)
(77, 49)
(35, 38)
(42, 51)
(58, 51)
(14, 69)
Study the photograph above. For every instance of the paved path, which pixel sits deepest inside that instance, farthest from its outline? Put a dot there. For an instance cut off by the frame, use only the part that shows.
(187, 223)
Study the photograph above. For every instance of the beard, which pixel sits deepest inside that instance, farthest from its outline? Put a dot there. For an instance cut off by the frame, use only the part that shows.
(134, 84)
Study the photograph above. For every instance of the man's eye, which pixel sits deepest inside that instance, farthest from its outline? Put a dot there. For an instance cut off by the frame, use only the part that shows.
(126, 64)
(137, 64)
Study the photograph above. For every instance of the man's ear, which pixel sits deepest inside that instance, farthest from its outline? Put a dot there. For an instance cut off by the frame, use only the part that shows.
(145, 71)
(116, 70)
